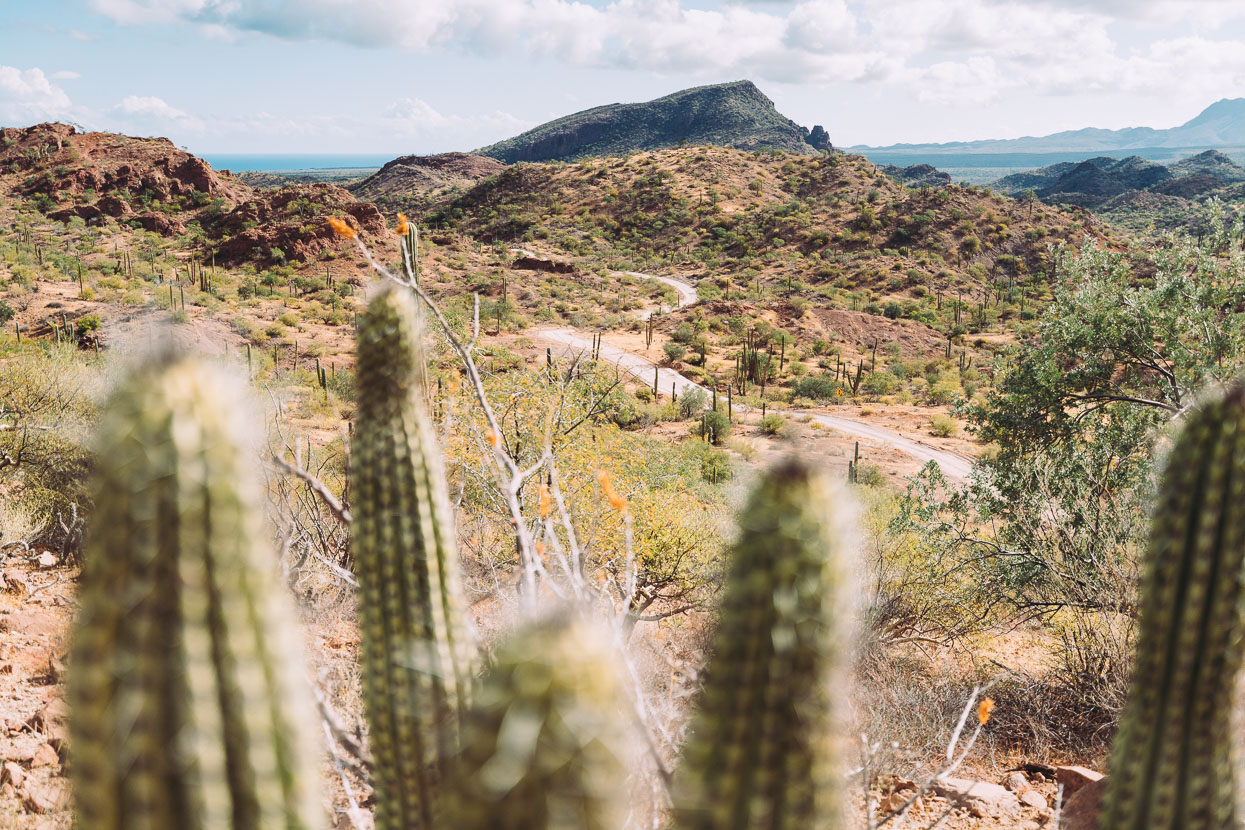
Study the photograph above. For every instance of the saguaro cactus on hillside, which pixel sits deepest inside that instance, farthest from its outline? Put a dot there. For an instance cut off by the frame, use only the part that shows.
(548, 743)
(1173, 761)
(765, 745)
(189, 707)
(418, 656)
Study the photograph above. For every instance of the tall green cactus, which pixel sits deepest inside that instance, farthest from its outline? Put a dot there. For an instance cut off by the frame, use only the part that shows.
(764, 746)
(1173, 761)
(189, 704)
(417, 651)
(547, 745)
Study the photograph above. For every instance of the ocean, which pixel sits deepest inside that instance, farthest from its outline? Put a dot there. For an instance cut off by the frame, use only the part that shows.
(238, 162)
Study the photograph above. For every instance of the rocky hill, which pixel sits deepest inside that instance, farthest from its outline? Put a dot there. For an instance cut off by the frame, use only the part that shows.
(1114, 188)
(149, 183)
(413, 184)
(799, 231)
(734, 115)
(918, 175)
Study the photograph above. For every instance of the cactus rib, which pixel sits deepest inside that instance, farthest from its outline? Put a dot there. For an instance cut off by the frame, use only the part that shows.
(189, 703)
(1172, 763)
(763, 747)
(417, 649)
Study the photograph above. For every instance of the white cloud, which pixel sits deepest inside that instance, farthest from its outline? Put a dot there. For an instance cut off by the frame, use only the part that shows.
(65, 75)
(144, 114)
(939, 53)
(29, 95)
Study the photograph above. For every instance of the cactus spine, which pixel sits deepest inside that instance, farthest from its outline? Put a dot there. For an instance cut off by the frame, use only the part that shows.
(417, 650)
(764, 744)
(189, 705)
(1172, 763)
(546, 745)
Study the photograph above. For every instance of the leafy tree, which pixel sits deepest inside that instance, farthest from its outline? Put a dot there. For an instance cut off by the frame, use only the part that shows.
(1055, 520)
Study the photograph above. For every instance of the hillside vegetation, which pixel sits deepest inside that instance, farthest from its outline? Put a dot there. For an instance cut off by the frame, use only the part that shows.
(730, 115)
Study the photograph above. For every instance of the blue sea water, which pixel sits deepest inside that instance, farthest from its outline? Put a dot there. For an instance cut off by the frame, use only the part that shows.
(238, 162)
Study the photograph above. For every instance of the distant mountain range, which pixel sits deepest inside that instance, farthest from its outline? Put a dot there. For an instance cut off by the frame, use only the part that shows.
(1219, 126)
(1133, 191)
(734, 115)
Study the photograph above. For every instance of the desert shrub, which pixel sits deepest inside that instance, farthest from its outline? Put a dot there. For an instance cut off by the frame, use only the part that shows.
(879, 383)
(943, 426)
(49, 409)
(818, 387)
(773, 424)
(716, 467)
(870, 475)
(674, 351)
(692, 402)
(717, 427)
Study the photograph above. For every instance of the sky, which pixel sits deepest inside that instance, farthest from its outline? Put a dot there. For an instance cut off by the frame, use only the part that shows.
(424, 76)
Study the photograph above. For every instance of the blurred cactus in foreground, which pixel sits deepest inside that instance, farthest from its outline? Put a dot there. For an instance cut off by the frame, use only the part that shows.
(417, 650)
(765, 746)
(1174, 760)
(189, 707)
(547, 744)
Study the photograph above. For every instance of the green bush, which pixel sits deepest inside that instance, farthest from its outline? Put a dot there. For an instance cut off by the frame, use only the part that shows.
(819, 388)
(673, 351)
(716, 426)
(693, 402)
(943, 426)
(773, 424)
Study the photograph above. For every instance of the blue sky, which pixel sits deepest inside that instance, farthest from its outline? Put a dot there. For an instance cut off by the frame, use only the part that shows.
(400, 76)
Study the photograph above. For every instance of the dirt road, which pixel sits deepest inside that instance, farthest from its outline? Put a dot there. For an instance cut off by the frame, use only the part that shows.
(954, 465)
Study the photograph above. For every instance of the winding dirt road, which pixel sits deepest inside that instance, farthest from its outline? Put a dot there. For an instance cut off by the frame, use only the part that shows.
(954, 465)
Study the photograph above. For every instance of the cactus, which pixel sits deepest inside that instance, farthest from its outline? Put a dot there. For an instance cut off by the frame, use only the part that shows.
(417, 649)
(764, 746)
(1173, 760)
(547, 744)
(189, 705)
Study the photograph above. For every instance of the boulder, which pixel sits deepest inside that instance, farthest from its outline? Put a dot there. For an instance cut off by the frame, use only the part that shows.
(1016, 783)
(1073, 778)
(979, 797)
(1080, 811)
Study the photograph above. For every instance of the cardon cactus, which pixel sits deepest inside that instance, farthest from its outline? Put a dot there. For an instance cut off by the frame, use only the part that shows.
(764, 746)
(1173, 760)
(547, 745)
(418, 655)
(189, 703)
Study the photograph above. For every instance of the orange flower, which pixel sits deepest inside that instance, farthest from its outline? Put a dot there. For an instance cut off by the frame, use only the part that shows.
(341, 228)
(616, 501)
(984, 709)
(546, 507)
(493, 439)
(540, 547)
(402, 224)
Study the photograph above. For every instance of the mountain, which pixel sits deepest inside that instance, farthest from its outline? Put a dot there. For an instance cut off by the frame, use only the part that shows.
(414, 183)
(1211, 163)
(734, 115)
(1220, 125)
(1133, 191)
